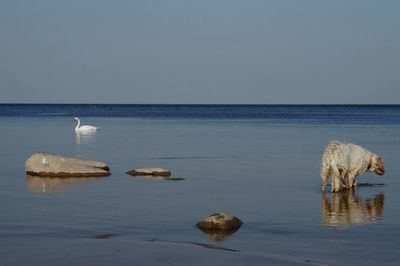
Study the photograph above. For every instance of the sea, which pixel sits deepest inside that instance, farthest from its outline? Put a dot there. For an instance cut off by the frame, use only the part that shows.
(260, 163)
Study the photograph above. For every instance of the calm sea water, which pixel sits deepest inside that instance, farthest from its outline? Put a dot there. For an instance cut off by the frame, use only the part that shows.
(260, 163)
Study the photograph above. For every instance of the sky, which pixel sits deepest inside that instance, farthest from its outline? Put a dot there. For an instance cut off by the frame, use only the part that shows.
(200, 52)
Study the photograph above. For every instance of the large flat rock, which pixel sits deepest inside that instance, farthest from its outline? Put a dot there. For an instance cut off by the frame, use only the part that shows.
(47, 164)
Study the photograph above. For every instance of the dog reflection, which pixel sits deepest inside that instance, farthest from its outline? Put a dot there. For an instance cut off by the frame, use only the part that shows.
(50, 185)
(345, 208)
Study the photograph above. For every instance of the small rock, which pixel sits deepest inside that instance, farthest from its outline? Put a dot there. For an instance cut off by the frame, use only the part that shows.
(47, 164)
(220, 221)
(149, 171)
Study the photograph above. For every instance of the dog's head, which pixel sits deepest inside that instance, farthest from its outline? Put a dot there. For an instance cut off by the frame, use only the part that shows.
(376, 165)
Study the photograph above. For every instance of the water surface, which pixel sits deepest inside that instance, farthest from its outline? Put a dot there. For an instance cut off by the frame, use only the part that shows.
(260, 163)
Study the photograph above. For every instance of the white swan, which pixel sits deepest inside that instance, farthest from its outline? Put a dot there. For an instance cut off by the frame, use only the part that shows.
(84, 128)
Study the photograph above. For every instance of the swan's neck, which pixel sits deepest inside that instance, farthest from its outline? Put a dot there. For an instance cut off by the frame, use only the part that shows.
(78, 124)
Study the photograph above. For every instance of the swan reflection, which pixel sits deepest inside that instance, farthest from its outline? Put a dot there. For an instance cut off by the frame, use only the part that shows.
(219, 235)
(85, 137)
(50, 185)
(346, 208)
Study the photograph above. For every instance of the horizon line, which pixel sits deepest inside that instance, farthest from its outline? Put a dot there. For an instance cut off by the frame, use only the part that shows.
(215, 104)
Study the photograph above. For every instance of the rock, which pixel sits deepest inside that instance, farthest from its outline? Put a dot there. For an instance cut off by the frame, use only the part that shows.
(149, 171)
(220, 221)
(47, 164)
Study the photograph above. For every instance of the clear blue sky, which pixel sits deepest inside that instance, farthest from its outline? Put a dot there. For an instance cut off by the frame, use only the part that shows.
(207, 51)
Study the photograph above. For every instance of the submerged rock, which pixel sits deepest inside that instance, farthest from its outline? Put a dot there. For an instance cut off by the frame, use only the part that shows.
(149, 172)
(105, 236)
(47, 164)
(220, 221)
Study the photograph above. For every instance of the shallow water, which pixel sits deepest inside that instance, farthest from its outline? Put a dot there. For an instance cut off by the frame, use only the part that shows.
(264, 171)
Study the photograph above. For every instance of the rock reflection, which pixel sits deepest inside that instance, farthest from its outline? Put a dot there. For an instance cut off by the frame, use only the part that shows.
(219, 235)
(167, 178)
(51, 185)
(345, 208)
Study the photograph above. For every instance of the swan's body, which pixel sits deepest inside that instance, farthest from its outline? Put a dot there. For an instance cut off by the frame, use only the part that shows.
(85, 128)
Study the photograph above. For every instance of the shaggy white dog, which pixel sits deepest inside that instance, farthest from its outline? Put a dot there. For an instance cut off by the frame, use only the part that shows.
(343, 162)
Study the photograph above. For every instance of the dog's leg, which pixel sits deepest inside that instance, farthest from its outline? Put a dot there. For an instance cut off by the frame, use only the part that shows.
(343, 178)
(335, 183)
(324, 181)
(352, 180)
(338, 184)
(325, 173)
